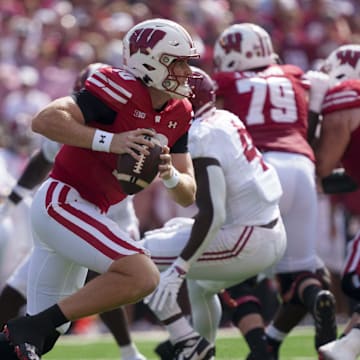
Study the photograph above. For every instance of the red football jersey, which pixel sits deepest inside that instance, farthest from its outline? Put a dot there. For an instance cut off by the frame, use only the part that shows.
(91, 172)
(346, 95)
(272, 103)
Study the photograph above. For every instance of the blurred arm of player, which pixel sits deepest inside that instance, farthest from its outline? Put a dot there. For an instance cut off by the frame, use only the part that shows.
(334, 137)
(319, 84)
(210, 200)
(34, 173)
(177, 173)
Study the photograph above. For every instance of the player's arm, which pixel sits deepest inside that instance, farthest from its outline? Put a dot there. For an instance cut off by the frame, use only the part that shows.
(319, 84)
(65, 120)
(210, 200)
(177, 172)
(334, 138)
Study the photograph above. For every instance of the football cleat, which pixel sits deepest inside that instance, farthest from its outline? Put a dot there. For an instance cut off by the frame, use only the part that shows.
(7, 351)
(346, 348)
(324, 316)
(21, 334)
(27, 351)
(165, 350)
(195, 348)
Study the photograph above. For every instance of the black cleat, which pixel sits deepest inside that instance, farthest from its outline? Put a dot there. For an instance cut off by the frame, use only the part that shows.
(195, 348)
(7, 351)
(26, 351)
(23, 336)
(324, 316)
(165, 350)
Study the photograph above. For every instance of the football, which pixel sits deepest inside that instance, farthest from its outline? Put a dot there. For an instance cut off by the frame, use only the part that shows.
(135, 175)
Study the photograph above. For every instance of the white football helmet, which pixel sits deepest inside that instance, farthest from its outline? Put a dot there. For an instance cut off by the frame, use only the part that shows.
(243, 47)
(343, 63)
(151, 47)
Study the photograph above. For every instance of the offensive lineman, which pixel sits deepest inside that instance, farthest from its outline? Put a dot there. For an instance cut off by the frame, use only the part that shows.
(271, 99)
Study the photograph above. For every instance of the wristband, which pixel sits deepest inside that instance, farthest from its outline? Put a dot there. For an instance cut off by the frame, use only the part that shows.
(102, 140)
(173, 180)
(21, 191)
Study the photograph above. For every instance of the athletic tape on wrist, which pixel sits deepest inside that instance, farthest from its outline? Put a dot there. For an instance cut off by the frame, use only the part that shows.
(173, 180)
(102, 141)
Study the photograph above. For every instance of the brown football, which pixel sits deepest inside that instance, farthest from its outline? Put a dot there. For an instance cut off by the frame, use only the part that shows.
(135, 175)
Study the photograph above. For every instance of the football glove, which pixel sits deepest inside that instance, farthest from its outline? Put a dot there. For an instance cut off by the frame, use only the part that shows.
(170, 282)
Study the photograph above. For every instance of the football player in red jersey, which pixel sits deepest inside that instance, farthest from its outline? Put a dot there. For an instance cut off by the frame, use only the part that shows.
(236, 233)
(339, 143)
(71, 230)
(13, 295)
(272, 100)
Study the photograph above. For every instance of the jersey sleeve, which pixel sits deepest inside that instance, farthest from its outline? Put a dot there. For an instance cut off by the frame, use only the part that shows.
(345, 95)
(113, 86)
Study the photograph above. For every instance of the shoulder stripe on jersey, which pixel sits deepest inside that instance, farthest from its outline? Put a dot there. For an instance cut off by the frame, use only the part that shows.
(340, 98)
(113, 84)
(111, 88)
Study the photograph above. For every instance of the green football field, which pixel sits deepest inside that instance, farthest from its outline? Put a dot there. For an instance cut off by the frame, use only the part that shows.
(229, 346)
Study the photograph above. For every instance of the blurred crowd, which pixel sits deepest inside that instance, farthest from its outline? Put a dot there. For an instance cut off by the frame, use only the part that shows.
(45, 43)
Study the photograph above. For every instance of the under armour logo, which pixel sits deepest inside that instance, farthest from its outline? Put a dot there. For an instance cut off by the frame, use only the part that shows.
(172, 124)
(102, 139)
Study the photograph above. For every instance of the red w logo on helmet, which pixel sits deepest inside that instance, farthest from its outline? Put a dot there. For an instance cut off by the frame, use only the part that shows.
(350, 57)
(231, 42)
(145, 40)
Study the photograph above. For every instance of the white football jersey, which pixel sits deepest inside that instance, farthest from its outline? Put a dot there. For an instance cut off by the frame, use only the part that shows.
(253, 188)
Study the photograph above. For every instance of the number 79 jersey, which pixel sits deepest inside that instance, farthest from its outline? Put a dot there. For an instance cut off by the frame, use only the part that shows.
(272, 104)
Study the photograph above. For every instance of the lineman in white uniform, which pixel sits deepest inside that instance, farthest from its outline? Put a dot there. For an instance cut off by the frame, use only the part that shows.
(237, 233)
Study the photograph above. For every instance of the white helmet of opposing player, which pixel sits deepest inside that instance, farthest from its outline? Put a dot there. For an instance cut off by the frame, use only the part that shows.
(243, 47)
(151, 47)
(343, 63)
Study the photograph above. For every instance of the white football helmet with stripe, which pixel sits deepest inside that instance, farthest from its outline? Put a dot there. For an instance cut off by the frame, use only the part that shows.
(243, 47)
(343, 63)
(151, 47)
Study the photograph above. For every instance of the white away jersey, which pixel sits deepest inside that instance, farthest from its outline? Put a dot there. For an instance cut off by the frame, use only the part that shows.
(253, 188)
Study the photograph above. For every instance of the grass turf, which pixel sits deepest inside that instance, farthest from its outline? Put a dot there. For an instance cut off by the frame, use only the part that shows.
(229, 346)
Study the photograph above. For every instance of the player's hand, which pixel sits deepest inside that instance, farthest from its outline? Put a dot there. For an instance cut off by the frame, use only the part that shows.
(132, 142)
(165, 168)
(319, 83)
(170, 282)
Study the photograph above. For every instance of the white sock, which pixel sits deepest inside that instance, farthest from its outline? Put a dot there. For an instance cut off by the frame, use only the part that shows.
(180, 330)
(274, 333)
(128, 351)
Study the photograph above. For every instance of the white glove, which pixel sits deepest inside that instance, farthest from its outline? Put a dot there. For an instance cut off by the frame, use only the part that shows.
(170, 282)
(319, 84)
